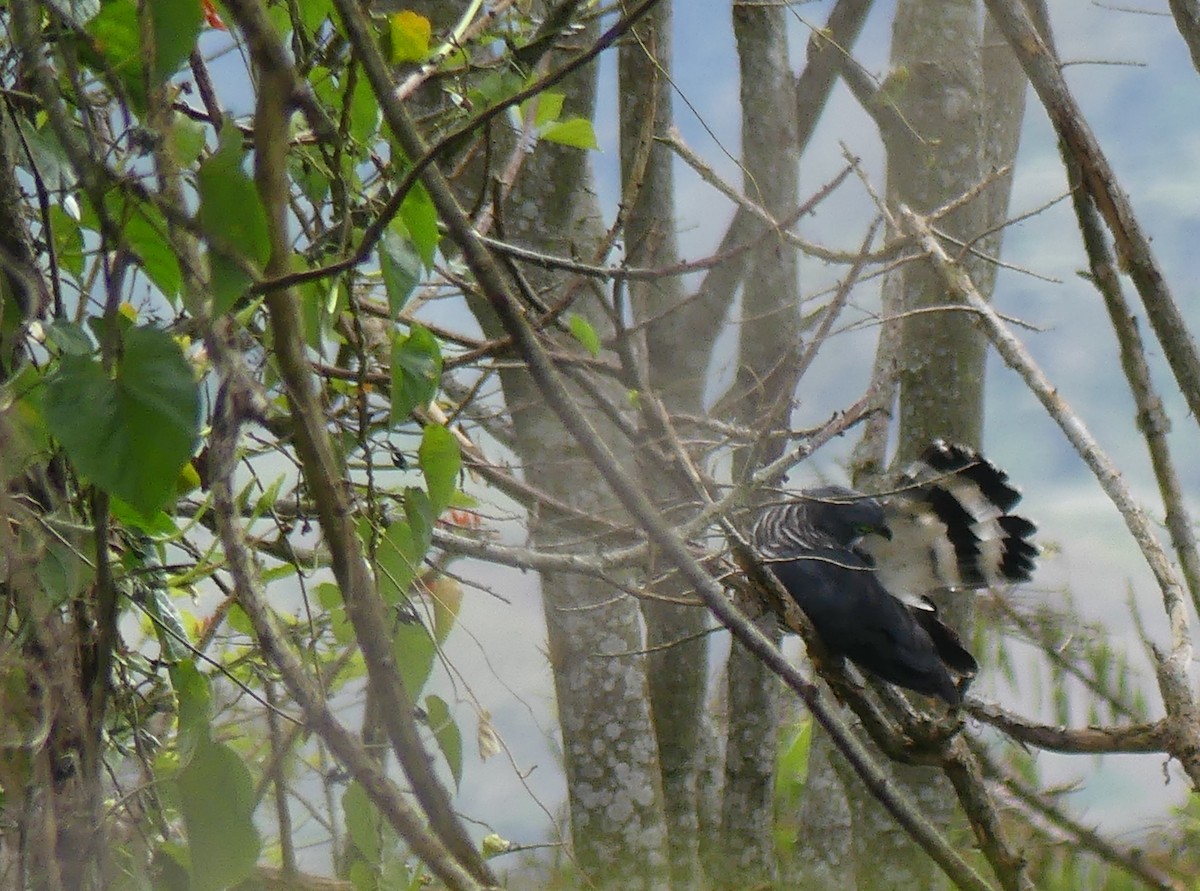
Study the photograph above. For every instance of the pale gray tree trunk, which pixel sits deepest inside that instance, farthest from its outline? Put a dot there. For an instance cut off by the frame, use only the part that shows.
(594, 634)
(937, 66)
(676, 350)
(964, 105)
(769, 349)
(937, 59)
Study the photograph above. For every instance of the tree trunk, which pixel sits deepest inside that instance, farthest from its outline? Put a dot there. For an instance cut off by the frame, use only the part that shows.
(594, 633)
(936, 58)
(677, 357)
(964, 108)
(53, 708)
(769, 349)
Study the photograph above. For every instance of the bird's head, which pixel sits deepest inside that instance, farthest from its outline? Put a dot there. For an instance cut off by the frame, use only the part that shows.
(845, 515)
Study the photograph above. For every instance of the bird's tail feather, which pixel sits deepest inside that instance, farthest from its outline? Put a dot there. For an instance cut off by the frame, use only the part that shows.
(952, 527)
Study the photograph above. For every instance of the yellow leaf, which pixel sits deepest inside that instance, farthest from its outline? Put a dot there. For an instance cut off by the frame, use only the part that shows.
(410, 33)
(188, 479)
(447, 595)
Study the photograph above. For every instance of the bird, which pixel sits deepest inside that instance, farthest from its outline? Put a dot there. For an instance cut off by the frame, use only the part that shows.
(862, 567)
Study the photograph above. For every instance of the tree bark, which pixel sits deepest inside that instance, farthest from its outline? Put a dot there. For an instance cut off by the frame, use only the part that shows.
(676, 353)
(594, 634)
(769, 350)
(962, 106)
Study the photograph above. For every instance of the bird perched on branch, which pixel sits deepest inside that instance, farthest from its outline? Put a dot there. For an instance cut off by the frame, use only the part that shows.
(862, 567)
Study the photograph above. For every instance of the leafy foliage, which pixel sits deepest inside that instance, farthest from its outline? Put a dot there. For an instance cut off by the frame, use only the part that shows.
(216, 797)
(132, 431)
(149, 218)
(232, 214)
(416, 372)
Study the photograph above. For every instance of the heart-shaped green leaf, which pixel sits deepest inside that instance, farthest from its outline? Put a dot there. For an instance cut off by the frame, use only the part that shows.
(129, 433)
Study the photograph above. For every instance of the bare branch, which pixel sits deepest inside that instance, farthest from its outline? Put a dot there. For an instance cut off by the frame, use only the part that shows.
(1142, 738)
(1173, 678)
(1082, 150)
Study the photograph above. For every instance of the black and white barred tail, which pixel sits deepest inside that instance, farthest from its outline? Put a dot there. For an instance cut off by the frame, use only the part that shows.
(952, 527)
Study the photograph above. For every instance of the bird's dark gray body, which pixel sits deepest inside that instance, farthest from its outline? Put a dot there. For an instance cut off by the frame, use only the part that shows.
(860, 566)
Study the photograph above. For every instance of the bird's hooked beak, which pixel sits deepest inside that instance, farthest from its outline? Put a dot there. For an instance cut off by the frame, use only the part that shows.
(884, 531)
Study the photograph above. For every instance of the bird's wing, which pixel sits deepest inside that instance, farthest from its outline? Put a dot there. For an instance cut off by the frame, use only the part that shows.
(951, 527)
(856, 618)
(947, 642)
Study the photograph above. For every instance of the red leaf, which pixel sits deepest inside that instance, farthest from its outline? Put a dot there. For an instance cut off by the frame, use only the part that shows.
(212, 17)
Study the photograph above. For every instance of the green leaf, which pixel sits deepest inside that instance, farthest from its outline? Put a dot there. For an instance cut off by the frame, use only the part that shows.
(68, 241)
(325, 86)
(233, 216)
(320, 302)
(575, 132)
(267, 499)
(409, 34)
(129, 434)
(116, 36)
(447, 595)
(419, 216)
(70, 338)
(447, 734)
(364, 111)
(145, 230)
(401, 874)
(237, 620)
(227, 281)
(496, 87)
(582, 330)
(194, 715)
(63, 571)
(419, 510)
(311, 175)
(413, 650)
(549, 108)
(363, 877)
(280, 17)
(23, 418)
(47, 156)
(282, 571)
(168, 625)
(186, 140)
(400, 265)
(440, 461)
(329, 596)
(157, 525)
(313, 13)
(363, 822)
(159, 261)
(120, 322)
(217, 799)
(398, 558)
(416, 372)
(177, 24)
(791, 768)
